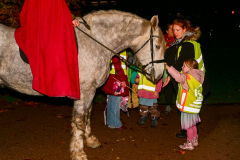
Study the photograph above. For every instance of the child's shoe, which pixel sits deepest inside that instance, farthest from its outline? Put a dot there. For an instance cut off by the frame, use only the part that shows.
(154, 122)
(195, 141)
(142, 121)
(188, 145)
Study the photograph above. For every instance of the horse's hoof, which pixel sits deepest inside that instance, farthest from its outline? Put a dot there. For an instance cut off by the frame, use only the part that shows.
(92, 142)
(78, 155)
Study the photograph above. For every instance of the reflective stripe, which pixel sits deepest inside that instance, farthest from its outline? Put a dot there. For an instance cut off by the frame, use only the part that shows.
(146, 87)
(202, 69)
(183, 98)
(189, 109)
(199, 59)
(123, 66)
(196, 90)
(198, 102)
(123, 56)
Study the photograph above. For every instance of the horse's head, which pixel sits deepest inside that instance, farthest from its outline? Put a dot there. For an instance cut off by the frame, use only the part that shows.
(121, 30)
(151, 48)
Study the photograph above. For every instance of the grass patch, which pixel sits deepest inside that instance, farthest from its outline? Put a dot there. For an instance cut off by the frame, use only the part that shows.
(9, 98)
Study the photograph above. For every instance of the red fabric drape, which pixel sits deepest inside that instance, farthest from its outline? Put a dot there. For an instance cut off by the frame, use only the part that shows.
(47, 37)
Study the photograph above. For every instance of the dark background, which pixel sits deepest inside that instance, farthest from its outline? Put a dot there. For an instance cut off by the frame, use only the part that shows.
(219, 40)
(211, 15)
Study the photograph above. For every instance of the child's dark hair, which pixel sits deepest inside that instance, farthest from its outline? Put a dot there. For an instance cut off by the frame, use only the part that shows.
(191, 63)
(168, 25)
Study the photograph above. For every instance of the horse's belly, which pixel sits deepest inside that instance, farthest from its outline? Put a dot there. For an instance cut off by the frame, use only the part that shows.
(16, 74)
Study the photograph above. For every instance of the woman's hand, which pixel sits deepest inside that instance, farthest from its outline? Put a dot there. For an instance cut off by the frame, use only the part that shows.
(75, 23)
(155, 94)
(167, 80)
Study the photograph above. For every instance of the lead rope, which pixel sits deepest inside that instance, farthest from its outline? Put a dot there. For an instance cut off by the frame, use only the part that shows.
(124, 60)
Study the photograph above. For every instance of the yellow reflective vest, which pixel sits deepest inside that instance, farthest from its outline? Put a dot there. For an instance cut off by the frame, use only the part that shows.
(198, 55)
(190, 101)
(123, 64)
(145, 84)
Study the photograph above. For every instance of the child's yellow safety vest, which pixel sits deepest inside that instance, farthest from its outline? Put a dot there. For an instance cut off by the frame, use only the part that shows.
(190, 101)
(123, 64)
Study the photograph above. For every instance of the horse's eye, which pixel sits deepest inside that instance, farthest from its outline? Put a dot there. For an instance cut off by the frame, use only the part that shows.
(158, 46)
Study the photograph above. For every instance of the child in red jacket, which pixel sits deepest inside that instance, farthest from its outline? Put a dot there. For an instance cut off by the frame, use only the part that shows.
(114, 100)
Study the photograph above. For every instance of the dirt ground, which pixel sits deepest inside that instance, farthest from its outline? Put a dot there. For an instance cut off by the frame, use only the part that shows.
(41, 131)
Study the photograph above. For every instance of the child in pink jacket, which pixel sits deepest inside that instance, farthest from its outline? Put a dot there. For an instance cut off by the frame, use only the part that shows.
(148, 93)
(189, 99)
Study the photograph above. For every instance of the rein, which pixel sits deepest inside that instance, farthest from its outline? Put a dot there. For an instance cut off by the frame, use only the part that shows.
(140, 69)
(151, 45)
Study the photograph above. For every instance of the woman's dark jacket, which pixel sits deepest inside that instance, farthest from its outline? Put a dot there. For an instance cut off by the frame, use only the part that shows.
(187, 52)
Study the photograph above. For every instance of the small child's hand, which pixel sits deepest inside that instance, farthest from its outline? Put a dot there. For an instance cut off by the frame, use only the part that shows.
(123, 83)
(137, 80)
(155, 94)
(167, 66)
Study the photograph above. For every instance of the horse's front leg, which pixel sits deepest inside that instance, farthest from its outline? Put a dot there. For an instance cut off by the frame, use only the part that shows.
(78, 130)
(90, 140)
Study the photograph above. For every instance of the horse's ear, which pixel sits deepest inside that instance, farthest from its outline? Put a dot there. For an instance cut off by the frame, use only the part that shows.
(154, 22)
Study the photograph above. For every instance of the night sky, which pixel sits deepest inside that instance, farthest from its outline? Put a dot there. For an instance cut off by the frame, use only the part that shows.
(208, 14)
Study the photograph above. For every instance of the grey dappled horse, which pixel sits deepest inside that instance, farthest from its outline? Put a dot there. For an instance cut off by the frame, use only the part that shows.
(115, 29)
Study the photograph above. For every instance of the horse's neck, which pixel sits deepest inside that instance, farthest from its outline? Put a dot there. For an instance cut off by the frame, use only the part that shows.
(117, 31)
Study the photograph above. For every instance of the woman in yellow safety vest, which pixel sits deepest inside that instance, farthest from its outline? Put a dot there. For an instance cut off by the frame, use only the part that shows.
(189, 99)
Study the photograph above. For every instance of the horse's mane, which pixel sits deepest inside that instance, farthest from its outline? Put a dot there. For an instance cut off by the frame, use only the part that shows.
(144, 22)
(102, 12)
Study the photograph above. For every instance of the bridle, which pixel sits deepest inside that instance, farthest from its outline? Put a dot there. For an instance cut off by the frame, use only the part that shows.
(151, 69)
(140, 69)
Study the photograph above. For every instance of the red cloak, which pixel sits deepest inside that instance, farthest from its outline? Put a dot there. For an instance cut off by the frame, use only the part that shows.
(46, 36)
